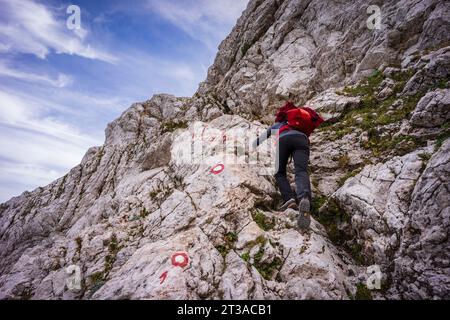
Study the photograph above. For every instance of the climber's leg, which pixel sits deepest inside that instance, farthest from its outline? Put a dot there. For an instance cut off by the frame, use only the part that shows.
(280, 175)
(301, 158)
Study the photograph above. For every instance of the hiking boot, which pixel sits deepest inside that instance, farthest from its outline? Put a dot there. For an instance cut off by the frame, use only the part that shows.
(304, 217)
(288, 204)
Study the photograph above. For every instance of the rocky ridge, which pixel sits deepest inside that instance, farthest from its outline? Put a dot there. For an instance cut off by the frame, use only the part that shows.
(140, 224)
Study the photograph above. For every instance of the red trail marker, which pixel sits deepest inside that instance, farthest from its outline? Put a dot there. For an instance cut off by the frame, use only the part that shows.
(180, 259)
(217, 169)
(163, 277)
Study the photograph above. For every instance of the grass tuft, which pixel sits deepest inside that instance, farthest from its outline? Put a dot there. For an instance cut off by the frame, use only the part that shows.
(263, 221)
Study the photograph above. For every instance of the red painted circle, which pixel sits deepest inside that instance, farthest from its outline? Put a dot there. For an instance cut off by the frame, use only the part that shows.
(217, 169)
(181, 264)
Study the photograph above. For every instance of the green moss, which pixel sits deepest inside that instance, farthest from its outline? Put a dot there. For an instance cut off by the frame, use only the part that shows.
(173, 125)
(161, 193)
(246, 256)
(231, 237)
(373, 112)
(144, 213)
(178, 182)
(303, 249)
(356, 253)
(314, 182)
(109, 261)
(399, 145)
(230, 240)
(375, 79)
(371, 119)
(266, 269)
(401, 78)
(317, 202)
(425, 156)
(348, 175)
(443, 136)
(327, 125)
(369, 102)
(113, 246)
(223, 250)
(362, 293)
(261, 240)
(409, 104)
(334, 233)
(97, 277)
(343, 161)
(153, 194)
(110, 258)
(368, 87)
(245, 48)
(258, 256)
(79, 243)
(263, 221)
(97, 280)
(330, 218)
(443, 84)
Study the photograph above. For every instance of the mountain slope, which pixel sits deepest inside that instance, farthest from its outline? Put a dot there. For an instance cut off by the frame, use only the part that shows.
(141, 224)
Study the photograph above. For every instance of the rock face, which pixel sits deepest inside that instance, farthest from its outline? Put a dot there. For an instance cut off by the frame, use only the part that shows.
(377, 200)
(433, 109)
(296, 49)
(422, 261)
(153, 214)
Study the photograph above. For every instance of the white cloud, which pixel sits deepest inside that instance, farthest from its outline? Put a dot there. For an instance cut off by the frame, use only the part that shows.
(60, 81)
(205, 20)
(141, 74)
(39, 150)
(31, 27)
(46, 128)
(19, 176)
(24, 115)
(35, 148)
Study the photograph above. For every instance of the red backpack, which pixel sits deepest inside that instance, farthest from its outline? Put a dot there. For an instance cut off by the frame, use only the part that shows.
(281, 115)
(303, 119)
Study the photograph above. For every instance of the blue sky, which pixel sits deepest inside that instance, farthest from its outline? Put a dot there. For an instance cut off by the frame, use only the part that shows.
(59, 87)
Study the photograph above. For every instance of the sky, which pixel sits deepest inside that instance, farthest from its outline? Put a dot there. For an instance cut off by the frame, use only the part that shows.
(60, 86)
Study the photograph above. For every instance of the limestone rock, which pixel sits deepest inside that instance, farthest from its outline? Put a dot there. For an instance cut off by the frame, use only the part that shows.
(377, 200)
(421, 263)
(433, 109)
(151, 214)
(436, 69)
(331, 105)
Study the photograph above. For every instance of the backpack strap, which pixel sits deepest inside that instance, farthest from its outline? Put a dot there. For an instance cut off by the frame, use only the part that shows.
(286, 127)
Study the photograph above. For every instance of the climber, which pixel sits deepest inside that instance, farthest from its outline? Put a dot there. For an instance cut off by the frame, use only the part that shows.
(294, 126)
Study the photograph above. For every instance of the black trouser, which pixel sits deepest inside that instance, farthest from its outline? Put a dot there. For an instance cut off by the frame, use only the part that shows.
(298, 147)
